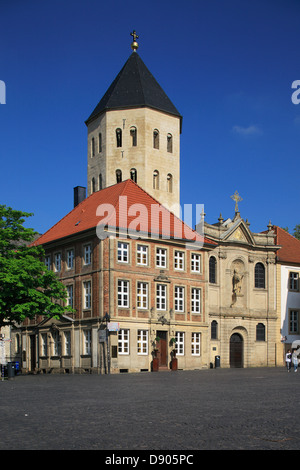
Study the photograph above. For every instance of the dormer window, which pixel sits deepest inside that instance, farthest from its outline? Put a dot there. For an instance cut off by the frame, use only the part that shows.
(133, 136)
(119, 137)
(156, 139)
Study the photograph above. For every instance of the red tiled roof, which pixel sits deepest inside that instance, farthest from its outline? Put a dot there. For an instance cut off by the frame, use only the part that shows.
(129, 207)
(290, 251)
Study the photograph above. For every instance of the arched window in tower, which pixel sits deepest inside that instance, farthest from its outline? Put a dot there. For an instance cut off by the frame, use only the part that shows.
(100, 182)
(212, 270)
(259, 275)
(93, 188)
(119, 176)
(119, 137)
(170, 143)
(156, 139)
(170, 183)
(133, 136)
(133, 175)
(155, 179)
(92, 147)
(100, 142)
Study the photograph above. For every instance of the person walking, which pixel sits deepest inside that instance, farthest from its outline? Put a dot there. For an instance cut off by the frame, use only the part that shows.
(295, 361)
(288, 360)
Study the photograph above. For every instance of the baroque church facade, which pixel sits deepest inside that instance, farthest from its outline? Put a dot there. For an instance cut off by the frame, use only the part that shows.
(145, 291)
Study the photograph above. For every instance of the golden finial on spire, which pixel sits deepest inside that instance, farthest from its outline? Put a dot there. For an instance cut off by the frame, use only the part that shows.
(134, 45)
(237, 198)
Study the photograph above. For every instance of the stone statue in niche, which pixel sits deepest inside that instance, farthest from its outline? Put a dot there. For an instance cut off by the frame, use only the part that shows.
(236, 285)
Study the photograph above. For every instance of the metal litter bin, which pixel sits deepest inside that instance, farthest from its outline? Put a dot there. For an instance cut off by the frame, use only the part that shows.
(217, 361)
(10, 369)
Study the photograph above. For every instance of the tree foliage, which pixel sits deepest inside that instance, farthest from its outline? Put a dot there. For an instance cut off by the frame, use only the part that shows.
(296, 233)
(27, 288)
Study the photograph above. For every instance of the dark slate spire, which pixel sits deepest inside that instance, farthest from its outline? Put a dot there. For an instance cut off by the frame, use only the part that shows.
(134, 87)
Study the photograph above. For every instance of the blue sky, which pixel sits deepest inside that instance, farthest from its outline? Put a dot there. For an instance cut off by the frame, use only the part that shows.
(227, 65)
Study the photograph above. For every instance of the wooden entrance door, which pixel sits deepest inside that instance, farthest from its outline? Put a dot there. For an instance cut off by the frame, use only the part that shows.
(236, 350)
(162, 349)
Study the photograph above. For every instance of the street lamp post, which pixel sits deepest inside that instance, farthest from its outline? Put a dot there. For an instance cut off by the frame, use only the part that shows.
(106, 318)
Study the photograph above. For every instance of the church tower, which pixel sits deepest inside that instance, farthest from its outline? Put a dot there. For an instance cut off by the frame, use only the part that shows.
(134, 132)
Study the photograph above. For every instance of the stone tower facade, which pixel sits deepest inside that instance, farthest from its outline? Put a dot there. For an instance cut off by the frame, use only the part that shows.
(134, 132)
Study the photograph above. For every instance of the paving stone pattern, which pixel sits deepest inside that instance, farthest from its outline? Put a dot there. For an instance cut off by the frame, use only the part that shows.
(183, 410)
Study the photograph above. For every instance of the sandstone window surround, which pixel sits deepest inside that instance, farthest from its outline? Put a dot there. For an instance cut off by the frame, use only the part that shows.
(142, 295)
(259, 276)
(119, 137)
(179, 345)
(179, 260)
(196, 344)
(170, 143)
(212, 270)
(123, 293)
(156, 139)
(142, 342)
(133, 136)
(123, 342)
(87, 295)
(179, 298)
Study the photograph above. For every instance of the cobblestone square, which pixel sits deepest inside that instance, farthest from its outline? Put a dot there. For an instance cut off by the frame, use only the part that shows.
(234, 409)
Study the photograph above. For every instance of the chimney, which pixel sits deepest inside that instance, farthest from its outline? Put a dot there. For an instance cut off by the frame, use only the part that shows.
(79, 195)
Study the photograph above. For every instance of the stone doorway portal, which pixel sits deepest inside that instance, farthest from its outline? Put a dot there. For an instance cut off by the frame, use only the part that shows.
(236, 350)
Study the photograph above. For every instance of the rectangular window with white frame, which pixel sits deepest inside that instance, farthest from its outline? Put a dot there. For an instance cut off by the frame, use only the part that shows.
(142, 342)
(123, 252)
(48, 262)
(294, 322)
(87, 342)
(55, 343)
(142, 295)
(179, 260)
(87, 295)
(123, 342)
(67, 343)
(196, 300)
(142, 255)
(57, 262)
(179, 299)
(87, 254)
(69, 295)
(161, 297)
(44, 351)
(196, 338)
(161, 258)
(195, 262)
(179, 345)
(123, 293)
(294, 281)
(70, 259)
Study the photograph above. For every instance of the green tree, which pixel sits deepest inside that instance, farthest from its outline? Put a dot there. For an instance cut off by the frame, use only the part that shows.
(296, 233)
(27, 288)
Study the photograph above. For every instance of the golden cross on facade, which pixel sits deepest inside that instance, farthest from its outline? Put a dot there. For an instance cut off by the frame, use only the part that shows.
(134, 45)
(237, 198)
